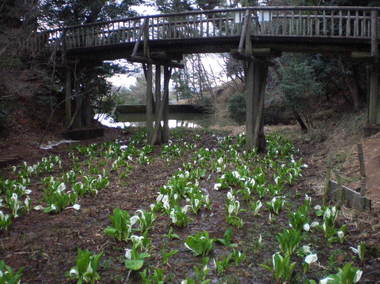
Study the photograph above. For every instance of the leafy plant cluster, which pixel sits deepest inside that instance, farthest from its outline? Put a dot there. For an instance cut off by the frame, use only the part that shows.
(15, 193)
(254, 184)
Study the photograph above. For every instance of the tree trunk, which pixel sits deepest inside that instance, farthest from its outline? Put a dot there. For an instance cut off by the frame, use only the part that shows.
(300, 120)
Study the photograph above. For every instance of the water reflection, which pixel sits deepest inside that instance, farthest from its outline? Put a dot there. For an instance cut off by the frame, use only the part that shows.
(108, 121)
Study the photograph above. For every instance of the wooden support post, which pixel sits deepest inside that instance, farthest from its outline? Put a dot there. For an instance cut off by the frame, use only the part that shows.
(373, 105)
(245, 29)
(165, 104)
(156, 138)
(148, 70)
(374, 101)
(255, 90)
(374, 38)
(68, 95)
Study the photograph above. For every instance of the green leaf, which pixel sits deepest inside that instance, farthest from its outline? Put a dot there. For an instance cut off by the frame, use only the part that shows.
(134, 264)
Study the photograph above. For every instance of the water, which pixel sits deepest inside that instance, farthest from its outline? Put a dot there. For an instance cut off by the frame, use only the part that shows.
(187, 120)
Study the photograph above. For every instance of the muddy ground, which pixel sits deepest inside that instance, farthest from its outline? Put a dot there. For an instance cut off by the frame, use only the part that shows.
(46, 245)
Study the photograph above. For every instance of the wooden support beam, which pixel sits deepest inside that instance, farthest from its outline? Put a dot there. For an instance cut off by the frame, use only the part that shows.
(165, 104)
(374, 100)
(164, 56)
(148, 70)
(245, 29)
(256, 52)
(373, 105)
(374, 38)
(141, 32)
(361, 55)
(156, 138)
(146, 38)
(162, 112)
(68, 95)
(255, 90)
(146, 60)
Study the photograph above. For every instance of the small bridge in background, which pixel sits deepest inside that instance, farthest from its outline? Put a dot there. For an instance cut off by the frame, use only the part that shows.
(253, 34)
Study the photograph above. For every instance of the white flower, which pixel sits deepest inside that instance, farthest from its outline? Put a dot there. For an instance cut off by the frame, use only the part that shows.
(61, 187)
(185, 208)
(325, 280)
(354, 250)
(27, 191)
(340, 234)
(305, 166)
(230, 196)
(217, 186)
(220, 160)
(137, 239)
(73, 271)
(173, 216)
(134, 219)
(306, 227)
(358, 275)
(128, 253)
(76, 207)
(314, 224)
(27, 202)
(311, 258)
(236, 174)
(159, 197)
(14, 196)
(307, 197)
(165, 201)
(53, 207)
(38, 207)
(327, 213)
(231, 208)
(306, 249)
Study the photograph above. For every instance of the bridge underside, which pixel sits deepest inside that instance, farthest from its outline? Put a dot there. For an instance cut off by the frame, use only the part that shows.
(176, 48)
(266, 47)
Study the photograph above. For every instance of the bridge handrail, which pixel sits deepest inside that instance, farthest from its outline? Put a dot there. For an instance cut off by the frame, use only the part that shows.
(243, 9)
(353, 22)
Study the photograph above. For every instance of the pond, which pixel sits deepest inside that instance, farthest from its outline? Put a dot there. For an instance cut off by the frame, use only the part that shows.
(186, 120)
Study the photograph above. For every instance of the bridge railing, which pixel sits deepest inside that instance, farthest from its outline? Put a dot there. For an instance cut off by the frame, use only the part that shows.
(314, 22)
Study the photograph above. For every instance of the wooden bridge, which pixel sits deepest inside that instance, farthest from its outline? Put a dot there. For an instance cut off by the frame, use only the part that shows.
(253, 34)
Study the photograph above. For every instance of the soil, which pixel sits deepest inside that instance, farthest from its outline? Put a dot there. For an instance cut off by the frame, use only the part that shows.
(46, 245)
(371, 151)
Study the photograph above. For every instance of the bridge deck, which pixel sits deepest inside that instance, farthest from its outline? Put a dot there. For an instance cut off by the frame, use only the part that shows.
(320, 29)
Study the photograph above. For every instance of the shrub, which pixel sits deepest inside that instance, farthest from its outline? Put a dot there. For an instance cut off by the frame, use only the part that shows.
(237, 108)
